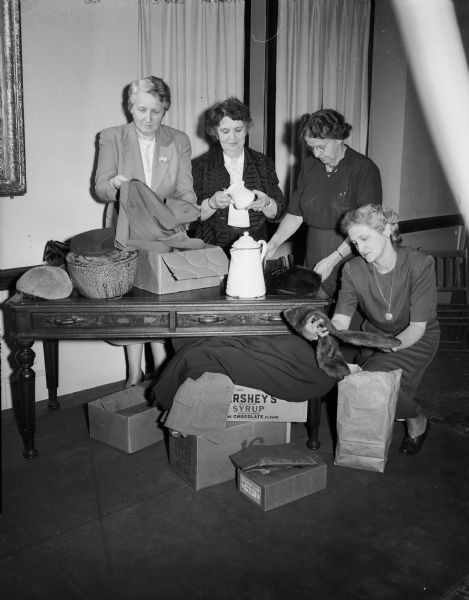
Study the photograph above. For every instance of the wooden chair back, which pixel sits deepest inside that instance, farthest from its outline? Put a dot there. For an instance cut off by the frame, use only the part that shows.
(452, 275)
(452, 279)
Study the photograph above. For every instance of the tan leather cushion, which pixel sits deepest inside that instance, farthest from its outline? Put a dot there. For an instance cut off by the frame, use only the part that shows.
(51, 283)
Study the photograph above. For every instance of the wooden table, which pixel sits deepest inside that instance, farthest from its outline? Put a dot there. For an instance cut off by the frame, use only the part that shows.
(137, 315)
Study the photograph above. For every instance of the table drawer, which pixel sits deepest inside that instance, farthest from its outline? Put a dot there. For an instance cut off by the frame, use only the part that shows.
(85, 321)
(226, 320)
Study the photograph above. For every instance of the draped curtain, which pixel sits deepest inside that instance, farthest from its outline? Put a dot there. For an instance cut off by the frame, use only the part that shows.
(197, 47)
(322, 62)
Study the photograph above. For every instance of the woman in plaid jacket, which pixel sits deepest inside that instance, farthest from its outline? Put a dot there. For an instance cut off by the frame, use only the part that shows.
(230, 162)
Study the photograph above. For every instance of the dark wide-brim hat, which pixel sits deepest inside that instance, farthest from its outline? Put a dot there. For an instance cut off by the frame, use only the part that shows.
(294, 280)
(95, 242)
(51, 283)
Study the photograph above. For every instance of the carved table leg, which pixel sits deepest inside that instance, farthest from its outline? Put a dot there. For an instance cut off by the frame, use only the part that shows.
(27, 408)
(51, 360)
(312, 424)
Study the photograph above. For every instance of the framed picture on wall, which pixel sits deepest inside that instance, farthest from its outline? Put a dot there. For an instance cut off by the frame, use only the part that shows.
(12, 154)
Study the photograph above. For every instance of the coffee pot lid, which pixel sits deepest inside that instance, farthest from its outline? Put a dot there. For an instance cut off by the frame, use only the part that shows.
(245, 241)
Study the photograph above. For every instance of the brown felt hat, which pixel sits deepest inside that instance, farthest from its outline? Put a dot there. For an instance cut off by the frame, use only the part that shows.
(51, 283)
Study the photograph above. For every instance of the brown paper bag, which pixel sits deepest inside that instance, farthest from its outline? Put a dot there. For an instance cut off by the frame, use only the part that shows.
(365, 417)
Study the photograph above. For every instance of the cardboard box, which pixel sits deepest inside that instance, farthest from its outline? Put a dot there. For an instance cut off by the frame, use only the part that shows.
(249, 404)
(202, 463)
(178, 271)
(125, 421)
(279, 487)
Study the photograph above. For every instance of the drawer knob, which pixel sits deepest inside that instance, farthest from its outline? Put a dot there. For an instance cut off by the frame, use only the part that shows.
(68, 321)
(208, 319)
(273, 318)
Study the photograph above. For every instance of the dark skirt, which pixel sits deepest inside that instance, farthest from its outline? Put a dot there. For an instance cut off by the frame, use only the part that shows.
(282, 366)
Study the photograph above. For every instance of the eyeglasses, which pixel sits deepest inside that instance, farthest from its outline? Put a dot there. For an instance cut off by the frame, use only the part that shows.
(319, 148)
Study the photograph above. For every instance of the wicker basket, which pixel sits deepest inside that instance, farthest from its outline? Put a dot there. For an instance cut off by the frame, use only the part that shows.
(102, 279)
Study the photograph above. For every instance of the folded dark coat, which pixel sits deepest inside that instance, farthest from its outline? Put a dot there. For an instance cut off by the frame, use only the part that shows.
(283, 366)
(147, 221)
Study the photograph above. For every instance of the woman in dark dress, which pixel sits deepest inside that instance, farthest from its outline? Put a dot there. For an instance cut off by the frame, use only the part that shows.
(395, 288)
(229, 162)
(335, 179)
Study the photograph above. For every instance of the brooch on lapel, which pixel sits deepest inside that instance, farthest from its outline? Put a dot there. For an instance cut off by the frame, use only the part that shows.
(163, 159)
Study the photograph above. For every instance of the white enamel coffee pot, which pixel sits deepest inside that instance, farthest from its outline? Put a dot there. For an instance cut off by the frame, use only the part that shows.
(246, 273)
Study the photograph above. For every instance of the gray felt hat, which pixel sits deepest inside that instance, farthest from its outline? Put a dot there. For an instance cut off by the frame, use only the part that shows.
(51, 283)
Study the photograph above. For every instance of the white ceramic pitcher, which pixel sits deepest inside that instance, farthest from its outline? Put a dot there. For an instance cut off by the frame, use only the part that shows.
(246, 273)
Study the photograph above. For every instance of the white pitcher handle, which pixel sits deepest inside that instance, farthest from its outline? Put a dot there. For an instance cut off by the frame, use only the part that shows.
(263, 244)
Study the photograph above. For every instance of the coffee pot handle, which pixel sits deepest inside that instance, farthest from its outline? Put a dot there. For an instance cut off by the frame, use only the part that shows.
(263, 244)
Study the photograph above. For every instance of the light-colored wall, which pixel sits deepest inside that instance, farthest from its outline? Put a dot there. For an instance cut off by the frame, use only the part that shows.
(387, 108)
(399, 142)
(77, 58)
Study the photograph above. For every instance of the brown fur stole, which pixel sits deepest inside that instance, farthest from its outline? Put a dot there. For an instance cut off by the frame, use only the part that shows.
(329, 357)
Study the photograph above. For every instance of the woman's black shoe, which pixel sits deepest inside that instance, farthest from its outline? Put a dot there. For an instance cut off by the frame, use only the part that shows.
(411, 445)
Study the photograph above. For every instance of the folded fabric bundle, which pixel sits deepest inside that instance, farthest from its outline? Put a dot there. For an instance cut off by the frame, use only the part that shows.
(200, 406)
(147, 221)
(55, 253)
(115, 256)
(328, 354)
(268, 458)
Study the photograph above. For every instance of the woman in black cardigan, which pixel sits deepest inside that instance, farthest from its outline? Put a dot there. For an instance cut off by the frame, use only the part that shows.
(228, 162)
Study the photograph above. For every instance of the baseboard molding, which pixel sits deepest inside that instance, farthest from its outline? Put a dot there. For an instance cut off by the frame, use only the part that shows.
(10, 382)
(70, 400)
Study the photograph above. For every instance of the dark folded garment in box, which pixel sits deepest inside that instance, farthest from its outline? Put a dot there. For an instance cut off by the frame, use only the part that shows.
(267, 458)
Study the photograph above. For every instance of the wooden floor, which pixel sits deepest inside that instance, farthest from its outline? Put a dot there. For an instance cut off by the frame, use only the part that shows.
(87, 521)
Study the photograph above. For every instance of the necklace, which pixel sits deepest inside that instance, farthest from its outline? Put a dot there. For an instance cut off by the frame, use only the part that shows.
(388, 314)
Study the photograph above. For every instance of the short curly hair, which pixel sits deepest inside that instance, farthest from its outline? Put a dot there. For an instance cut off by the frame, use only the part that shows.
(151, 85)
(231, 107)
(374, 216)
(324, 124)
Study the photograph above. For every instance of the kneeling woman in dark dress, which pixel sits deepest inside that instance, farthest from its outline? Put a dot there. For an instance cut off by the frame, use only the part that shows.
(395, 287)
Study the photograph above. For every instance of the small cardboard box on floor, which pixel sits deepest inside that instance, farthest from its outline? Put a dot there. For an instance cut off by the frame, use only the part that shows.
(249, 404)
(281, 486)
(125, 421)
(203, 463)
(179, 271)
